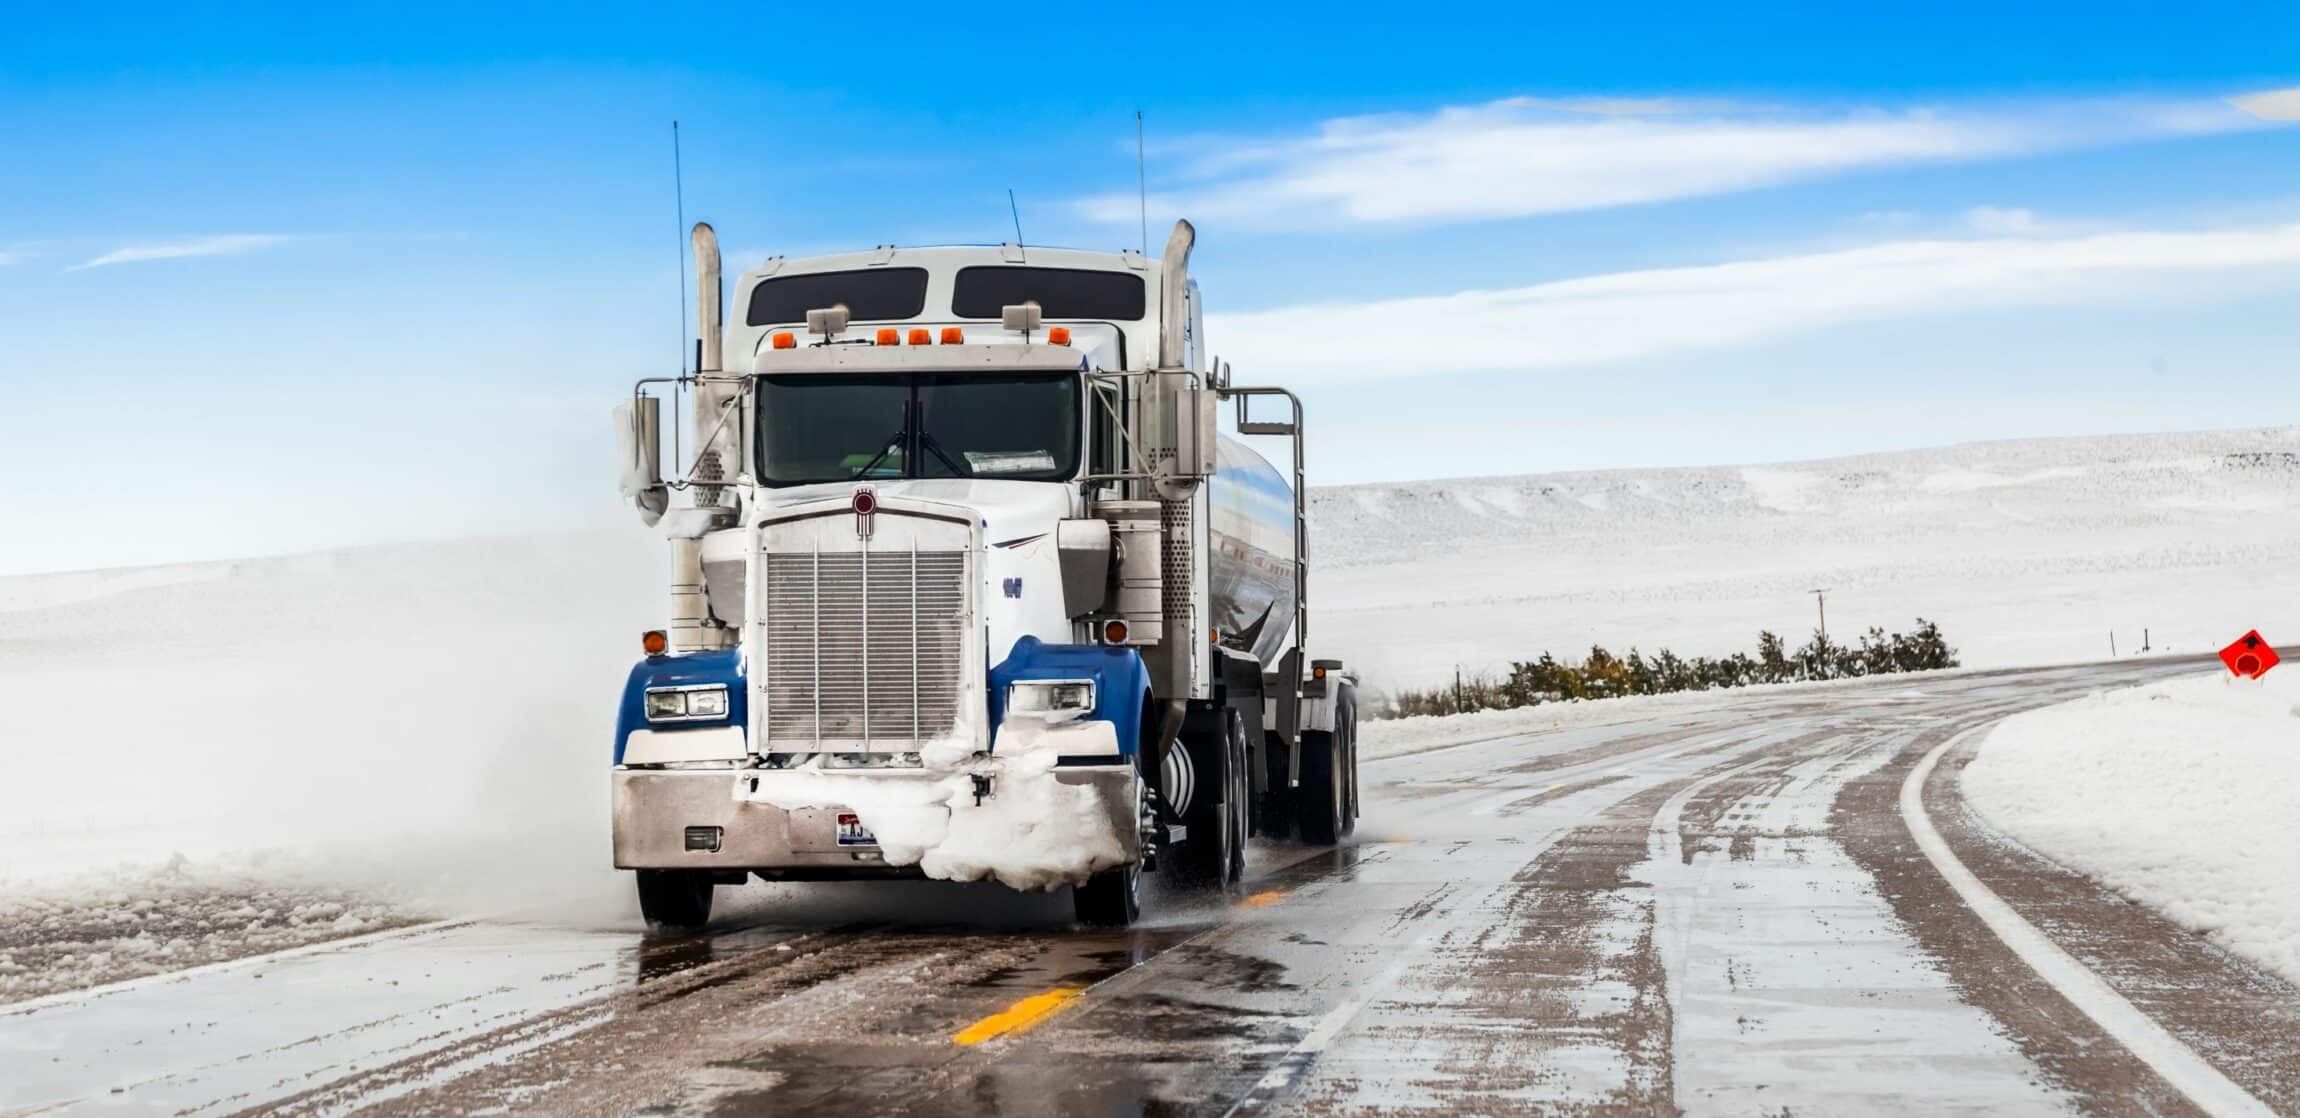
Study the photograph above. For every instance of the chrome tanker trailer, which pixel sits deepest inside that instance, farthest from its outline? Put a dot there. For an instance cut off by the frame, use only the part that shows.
(967, 583)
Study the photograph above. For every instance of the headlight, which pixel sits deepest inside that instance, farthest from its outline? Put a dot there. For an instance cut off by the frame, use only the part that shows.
(1052, 699)
(686, 704)
(711, 703)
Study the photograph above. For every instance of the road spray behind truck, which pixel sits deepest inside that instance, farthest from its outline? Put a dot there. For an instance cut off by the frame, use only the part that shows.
(969, 585)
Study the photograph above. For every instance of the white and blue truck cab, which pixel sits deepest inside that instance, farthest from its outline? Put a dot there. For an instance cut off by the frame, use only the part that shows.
(967, 583)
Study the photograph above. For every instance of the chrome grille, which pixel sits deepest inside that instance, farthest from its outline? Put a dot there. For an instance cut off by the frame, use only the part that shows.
(863, 648)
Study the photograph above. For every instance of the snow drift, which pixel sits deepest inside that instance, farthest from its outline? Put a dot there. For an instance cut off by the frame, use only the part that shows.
(2184, 795)
(430, 721)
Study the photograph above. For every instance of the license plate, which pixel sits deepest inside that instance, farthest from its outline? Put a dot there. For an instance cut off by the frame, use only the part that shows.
(851, 832)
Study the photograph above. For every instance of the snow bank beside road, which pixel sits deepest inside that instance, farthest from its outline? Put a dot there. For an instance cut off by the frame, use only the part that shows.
(112, 927)
(2184, 795)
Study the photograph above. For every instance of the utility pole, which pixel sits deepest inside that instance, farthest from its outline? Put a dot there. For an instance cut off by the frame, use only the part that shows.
(1821, 599)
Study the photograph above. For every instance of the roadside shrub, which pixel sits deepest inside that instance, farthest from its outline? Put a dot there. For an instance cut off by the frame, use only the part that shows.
(1602, 675)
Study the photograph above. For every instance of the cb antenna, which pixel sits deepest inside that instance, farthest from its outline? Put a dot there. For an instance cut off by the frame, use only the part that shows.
(1142, 182)
(679, 274)
(1017, 212)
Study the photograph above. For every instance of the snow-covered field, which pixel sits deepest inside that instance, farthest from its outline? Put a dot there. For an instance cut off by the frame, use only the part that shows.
(428, 724)
(2184, 795)
(2026, 552)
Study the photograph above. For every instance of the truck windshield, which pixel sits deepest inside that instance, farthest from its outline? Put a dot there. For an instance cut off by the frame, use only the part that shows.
(1013, 426)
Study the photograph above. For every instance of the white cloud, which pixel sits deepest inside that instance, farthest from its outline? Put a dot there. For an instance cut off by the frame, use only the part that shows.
(1626, 315)
(2003, 221)
(226, 245)
(1523, 156)
(2272, 104)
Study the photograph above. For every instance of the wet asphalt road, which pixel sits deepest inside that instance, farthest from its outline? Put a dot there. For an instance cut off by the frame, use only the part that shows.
(1716, 911)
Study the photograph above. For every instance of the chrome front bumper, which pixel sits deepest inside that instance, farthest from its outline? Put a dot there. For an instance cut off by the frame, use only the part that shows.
(654, 810)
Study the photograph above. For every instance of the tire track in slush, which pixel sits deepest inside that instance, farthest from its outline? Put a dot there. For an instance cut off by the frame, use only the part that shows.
(1792, 986)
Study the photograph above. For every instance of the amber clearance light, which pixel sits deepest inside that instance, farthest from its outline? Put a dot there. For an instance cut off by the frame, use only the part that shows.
(655, 641)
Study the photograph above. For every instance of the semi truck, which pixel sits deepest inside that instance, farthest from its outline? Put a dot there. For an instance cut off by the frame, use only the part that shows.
(968, 582)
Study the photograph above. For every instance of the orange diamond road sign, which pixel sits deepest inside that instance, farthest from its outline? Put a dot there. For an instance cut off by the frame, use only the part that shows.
(2251, 656)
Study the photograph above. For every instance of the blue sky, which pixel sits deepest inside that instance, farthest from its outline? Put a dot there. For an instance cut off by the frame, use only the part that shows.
(284, 277)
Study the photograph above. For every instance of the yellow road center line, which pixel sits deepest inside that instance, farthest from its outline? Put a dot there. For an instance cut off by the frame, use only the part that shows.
(1265, 897)
(1018, 1017)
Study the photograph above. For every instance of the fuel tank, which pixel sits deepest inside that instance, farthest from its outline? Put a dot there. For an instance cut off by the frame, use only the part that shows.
(1252, 566)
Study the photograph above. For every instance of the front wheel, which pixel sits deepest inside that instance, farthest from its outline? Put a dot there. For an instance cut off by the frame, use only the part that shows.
(1110, 899)
(676, 899)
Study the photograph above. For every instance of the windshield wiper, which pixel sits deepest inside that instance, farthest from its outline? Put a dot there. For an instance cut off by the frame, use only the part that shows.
(935, 448)
(900, 437)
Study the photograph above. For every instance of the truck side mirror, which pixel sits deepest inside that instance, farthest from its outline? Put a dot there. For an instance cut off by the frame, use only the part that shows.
(638, 433)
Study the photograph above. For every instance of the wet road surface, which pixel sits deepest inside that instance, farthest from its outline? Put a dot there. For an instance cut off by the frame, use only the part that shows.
(1714, 911)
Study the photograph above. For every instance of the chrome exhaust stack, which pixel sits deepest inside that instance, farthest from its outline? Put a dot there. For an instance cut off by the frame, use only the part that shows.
(715, 429)
(717, 432)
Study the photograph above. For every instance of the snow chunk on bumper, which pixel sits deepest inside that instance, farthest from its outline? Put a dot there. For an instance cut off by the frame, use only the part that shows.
(1035, 830)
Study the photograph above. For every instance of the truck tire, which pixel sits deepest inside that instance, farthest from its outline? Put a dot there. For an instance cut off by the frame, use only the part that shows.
(1110, 899)
(679, 900)
(1320, 804)
(1214, 852)
(1349, 729)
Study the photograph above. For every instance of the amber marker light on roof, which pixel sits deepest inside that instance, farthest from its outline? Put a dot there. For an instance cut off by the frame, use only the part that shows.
(655, 641)
(888, 335)
(952, 335)
(1058, 335)
(784, 339)
(921, 336)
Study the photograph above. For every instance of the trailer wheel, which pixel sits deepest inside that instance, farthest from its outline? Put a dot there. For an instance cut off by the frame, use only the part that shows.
(675, 899)
(1319, 804)
(1110, 899)
(1212, 854)
(1241, 798)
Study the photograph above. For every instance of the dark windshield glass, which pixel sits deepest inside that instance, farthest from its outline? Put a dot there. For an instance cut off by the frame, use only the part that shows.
(817, 428)
(831, 428)
(1061, 292)
(1023, 426)
(872, 294)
